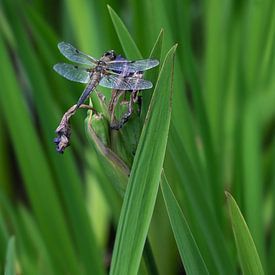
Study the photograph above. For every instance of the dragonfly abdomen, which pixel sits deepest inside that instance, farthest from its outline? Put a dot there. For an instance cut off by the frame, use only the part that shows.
(94, 81)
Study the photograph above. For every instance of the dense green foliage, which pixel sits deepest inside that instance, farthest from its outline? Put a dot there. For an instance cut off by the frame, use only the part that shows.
(152, 194)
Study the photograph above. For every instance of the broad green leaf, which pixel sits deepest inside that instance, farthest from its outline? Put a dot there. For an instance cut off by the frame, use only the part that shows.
(10, 259)
(145, 175)
(187, 246)
(248, 255)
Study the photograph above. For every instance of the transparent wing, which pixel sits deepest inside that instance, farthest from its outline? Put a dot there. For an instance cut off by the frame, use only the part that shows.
(125, 83)
(75, 55)
(126, 66)
(71, 72)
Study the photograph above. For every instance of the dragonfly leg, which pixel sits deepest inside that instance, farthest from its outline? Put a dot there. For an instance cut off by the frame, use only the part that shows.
(124, 101)
(116, 94)
(139, 100)
(135, 96)
(111, 103)
(126, 115)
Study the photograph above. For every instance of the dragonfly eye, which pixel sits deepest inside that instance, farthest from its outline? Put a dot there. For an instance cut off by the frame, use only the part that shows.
(110, 54)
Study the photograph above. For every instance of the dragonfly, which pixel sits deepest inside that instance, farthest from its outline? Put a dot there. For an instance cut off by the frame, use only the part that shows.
(109, 71)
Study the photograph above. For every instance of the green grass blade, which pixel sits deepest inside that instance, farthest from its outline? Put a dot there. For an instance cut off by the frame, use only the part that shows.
(143, 184)
(188, 249)
(271, 263)
(10, 259)
(152, 75)
(31, 250)
(248, 255)
(80, 15)
(156, 52)
(128, 44)
(3, 240)
(259, 112)
(203, 222)
(32, 253)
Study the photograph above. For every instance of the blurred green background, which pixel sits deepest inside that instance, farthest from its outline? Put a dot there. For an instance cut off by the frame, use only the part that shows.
(63, 210)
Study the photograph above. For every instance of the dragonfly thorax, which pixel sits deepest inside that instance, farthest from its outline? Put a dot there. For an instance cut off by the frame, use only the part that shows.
(100, 66)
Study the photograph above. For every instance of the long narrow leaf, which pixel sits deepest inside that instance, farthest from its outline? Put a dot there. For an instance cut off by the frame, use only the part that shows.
(249, 258)
(10, 260)
(188, 249)
(127, 42)
(156, 53)
(143, 184)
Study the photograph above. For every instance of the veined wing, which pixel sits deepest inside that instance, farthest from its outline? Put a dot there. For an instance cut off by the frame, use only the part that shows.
(125, 83)
(126, 66)
(71, 72)
(75, 55)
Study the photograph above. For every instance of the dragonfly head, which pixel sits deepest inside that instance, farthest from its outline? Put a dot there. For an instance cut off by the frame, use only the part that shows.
(111, 55)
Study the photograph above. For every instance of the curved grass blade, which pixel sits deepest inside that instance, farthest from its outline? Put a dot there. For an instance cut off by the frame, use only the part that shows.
(248, 255)
(10, 260)
(188, 249)
(144, 180)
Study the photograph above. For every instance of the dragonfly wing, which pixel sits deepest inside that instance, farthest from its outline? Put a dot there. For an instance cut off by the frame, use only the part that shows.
(125, 83)
(71, 72)
(125, 66)
(75, 55)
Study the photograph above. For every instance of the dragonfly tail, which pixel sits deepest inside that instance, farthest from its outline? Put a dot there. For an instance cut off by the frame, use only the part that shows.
(88, 90)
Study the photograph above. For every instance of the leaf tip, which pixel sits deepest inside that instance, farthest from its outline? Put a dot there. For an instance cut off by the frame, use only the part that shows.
(173, 49)
(110, 9)
(228, 195)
